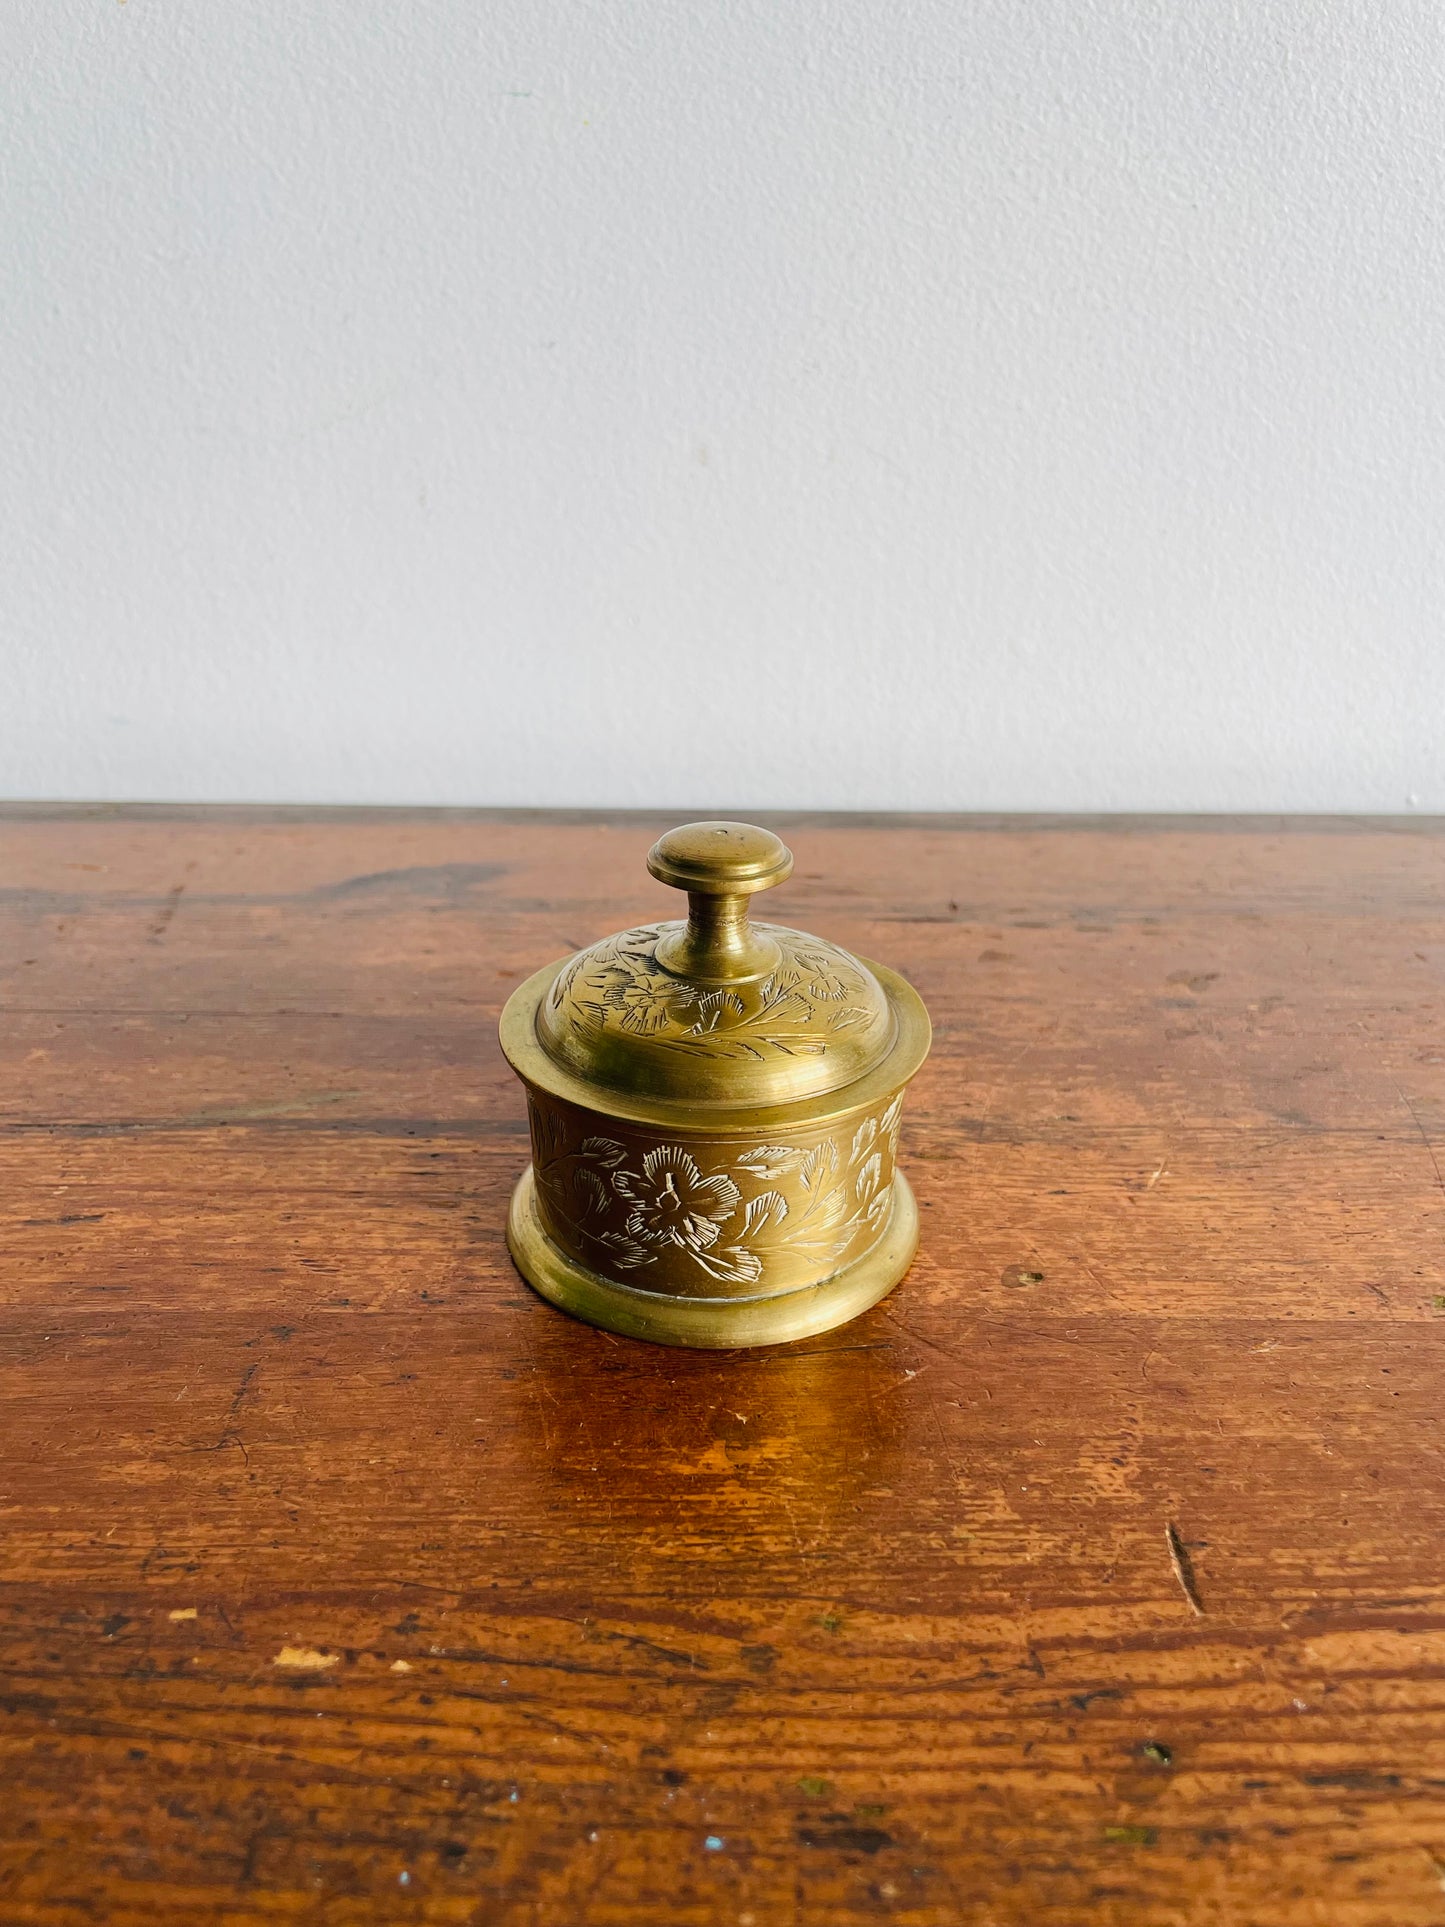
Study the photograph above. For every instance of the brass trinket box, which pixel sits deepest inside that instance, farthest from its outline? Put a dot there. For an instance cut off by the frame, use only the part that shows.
(714, 1113)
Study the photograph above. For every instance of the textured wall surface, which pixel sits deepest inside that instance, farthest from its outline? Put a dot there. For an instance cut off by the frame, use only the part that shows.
(1019, 403)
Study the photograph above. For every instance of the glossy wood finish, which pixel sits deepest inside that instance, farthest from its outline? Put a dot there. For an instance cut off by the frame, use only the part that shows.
(345, 1581)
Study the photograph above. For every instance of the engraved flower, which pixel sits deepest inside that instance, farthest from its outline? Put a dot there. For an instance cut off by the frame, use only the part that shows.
(643, 1003)
(672, 1202)
(826, 979)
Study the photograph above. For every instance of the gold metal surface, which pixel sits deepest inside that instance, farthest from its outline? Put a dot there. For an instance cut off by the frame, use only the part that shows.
(705, 1323)
(717, 1011)
(720, 865)
(715, 1110)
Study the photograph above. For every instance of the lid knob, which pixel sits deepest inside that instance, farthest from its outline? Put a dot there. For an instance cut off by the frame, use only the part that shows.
(719, 865)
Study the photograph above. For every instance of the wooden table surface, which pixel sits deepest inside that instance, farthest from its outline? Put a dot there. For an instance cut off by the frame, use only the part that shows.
(342, 1580)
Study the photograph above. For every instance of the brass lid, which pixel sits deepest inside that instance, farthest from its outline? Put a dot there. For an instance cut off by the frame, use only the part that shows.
(717, 1012)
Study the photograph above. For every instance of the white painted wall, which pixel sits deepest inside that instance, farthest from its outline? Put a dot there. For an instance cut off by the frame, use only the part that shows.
(920, 403)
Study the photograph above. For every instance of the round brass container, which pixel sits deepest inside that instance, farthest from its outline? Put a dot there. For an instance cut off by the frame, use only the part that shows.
(714, 1112)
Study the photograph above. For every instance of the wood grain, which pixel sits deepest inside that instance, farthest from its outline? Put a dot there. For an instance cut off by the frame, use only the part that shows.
(344, 1581)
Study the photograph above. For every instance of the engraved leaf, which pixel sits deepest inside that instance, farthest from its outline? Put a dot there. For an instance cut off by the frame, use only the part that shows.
(768, 1208)
(889, 1119)
(714, 1008)
(644, 1021)
(832, 1208)
(878, 1210)
(605, 1150)
(819, 1164)
(769, 1160)
(734, 1266)
(630, 1254)
(639, 942)
(713, 1044)
(862, 1138)
(593, 1196)
(867, 1180)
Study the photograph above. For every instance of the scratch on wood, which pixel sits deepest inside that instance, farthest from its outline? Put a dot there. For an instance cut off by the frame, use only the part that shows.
(241, 1389)
(1424, 1139)
(1179, 1560)
(167, 911)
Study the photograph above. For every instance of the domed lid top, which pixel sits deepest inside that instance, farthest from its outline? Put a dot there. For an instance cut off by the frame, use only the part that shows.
(717, 1010)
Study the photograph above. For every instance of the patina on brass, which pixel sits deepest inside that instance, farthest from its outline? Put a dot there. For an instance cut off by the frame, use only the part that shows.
(714, 1110)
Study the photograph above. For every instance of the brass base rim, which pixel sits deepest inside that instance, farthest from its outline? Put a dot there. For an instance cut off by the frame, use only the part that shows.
(712, 1324)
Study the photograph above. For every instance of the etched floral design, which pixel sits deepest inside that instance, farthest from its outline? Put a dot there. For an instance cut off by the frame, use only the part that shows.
(814, 1203)
(823, 980)
(672, 1202)
(813, 995)
(670, 1207)
(644, 1004)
